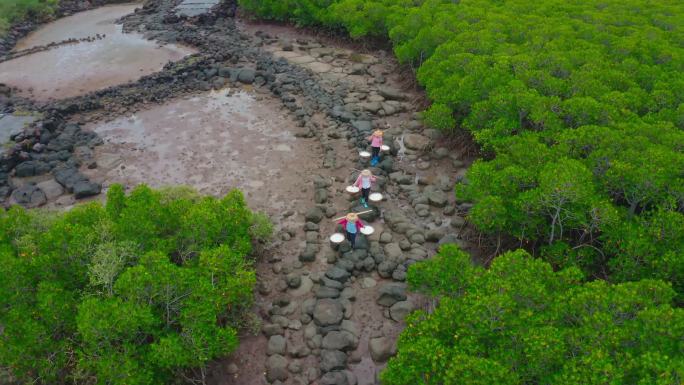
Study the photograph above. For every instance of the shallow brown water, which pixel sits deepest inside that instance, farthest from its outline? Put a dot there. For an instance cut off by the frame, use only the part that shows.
(214, 142)
(78, 68)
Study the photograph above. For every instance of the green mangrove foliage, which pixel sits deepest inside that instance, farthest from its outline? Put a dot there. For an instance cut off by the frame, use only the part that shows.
(519, 322)
(15, 10)
(578, 107)
(134, 292)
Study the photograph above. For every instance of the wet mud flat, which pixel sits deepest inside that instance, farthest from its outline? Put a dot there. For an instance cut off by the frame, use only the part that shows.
(108, 57)
(214, 141)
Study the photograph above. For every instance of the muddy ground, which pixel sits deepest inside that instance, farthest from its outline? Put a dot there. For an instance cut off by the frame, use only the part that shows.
(281, 114)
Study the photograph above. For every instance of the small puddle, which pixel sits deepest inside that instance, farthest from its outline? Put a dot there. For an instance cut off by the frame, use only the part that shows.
(214, 142)
(78, 68)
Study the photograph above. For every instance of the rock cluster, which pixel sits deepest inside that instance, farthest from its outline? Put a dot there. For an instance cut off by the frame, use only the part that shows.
(47, 146)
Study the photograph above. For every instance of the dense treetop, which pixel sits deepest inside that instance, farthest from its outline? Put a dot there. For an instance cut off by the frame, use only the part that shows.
(519, 322)
(135, 292)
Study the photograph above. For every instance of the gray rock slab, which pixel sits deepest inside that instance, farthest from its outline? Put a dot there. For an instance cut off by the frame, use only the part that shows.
(13, 124)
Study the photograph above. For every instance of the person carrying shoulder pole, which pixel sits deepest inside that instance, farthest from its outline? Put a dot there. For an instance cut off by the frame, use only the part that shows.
(364, 182)
(376, 145)
(352, 225)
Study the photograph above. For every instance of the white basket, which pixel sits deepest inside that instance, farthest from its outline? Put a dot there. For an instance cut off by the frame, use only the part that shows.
(367, 230)
(352, 189)
(337, 238)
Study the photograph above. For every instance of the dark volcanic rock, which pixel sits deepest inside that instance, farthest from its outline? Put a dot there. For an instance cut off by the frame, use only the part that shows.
(69, 177)
(29, 196)
(31, 168)
(333, 360)
(85, 189)
(328, 312)
(391, 293)
(246, 75)
(334, 378)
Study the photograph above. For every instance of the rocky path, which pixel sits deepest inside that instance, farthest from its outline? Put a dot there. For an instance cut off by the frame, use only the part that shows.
(328, 315)
(331, 315)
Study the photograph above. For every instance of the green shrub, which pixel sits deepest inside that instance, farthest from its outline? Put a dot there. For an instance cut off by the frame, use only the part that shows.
(4, 25)
(440, 117)
(151, 284)
(519, 322)
(12, 11)
(262, 228)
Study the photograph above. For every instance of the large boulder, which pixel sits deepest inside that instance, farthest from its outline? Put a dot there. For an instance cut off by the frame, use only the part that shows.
(437, 198)
(277, 344)
(416, 142)
(381, 349)
(246, 75)
(328, 312)
(434, 235)
(339, 340)
(334, 378)
(327, 292)
(314, 215)
(358, 69)
(333, 360)
(391, 293)
(325, 281)
(393, 251)
(51, 188)
(400, 310)
(293, 280)
(367, 283)
(321, 182)
(337, 274)
(69, 177)
(386, 268)
(271, 329)
(309, 253)
(321, 196)
(364, 126)
(276, 368)
(31, 168)
(372, 107)
(391, 93)
(86, 188)
(28, 196)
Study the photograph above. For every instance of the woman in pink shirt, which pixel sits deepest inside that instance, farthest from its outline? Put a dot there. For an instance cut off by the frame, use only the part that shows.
(364, 182)
(376, 144)
(352, 225)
